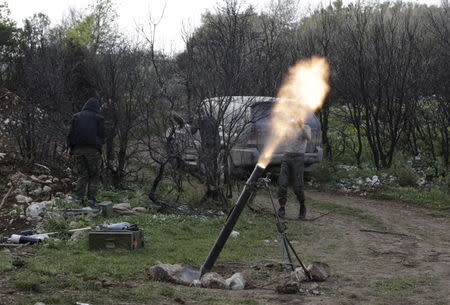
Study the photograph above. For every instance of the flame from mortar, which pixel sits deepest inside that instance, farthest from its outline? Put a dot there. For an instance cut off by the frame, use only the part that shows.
(303, 91)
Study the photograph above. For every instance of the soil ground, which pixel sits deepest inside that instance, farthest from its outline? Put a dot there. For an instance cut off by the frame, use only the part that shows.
(412, 267)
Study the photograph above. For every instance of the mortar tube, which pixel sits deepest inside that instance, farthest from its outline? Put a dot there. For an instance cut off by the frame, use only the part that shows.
(231, 220)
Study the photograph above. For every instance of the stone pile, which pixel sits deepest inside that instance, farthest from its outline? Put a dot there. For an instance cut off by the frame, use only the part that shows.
(188, 276)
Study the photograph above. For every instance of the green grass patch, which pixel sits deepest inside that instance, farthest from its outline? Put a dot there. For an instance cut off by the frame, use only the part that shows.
(348, 211)
(5, 262)
(169, 238)
(433, 197)
(404, 285)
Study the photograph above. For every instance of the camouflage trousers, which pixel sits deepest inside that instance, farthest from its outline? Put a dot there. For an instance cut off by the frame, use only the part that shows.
(291, 172)
(87, 164)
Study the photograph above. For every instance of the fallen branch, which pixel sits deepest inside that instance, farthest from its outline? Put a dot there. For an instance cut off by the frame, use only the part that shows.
(385, 232)
(11, 245)
(36, 180)
(44, 167)
(6, 195)
(315, 218)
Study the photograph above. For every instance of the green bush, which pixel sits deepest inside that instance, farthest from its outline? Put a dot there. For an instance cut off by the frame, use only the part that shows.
(406, 176)
(325, 172)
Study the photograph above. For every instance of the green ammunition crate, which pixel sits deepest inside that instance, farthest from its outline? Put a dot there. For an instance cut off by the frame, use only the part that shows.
(112, 239)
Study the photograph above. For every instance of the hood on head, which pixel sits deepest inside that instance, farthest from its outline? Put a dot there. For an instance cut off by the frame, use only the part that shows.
(92, 105)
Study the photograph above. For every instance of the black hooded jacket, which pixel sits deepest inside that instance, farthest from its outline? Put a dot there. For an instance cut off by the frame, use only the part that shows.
(87, 128)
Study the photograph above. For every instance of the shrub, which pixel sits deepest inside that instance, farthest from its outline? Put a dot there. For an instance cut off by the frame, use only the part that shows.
(406, 176)
(325, 172)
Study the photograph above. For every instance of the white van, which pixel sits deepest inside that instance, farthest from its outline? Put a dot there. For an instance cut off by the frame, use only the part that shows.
(246, 121)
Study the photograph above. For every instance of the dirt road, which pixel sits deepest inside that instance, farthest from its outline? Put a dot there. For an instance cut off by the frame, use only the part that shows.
(407, 261)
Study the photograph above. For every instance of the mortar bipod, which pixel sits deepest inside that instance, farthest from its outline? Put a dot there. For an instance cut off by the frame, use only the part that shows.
(286, 248)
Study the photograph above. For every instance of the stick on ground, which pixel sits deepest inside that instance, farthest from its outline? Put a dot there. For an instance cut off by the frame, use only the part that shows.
(385, 232)
(6, 196)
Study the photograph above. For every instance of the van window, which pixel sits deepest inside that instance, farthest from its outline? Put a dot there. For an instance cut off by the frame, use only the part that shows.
(261, 111)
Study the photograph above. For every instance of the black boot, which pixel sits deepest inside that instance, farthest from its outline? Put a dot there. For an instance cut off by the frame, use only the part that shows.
(92, 204)
(281, 212)
(302, 212)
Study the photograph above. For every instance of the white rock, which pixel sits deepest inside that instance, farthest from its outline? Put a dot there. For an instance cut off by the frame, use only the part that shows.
(139, 209)
(122, 206)
(213, 280)
(76, 236)
(47, 189)
(236, 281)
(36, 192)
(169, 273)
(298, 275)
(234, 234)
(36, 208)
(23, 199)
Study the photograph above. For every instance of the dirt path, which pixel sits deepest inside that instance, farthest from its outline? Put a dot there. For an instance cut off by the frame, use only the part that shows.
(410, 266)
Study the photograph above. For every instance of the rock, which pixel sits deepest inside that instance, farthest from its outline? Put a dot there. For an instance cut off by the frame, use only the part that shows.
(288, 288)
(36, 192)
(236, 281)
(73, 224)
(36, 208)
(39, 303)
(213, 280)
(23, 199)
(140, 210)
(299, 275)
(319, 271)
(123, 209)
(234, 234)
(76, 236)
(197, 283)
(122, 206)
(47, 189)
(171, 273)
(184, 208)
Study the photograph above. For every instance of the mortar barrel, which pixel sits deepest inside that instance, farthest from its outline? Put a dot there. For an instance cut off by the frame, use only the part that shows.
(232, 219)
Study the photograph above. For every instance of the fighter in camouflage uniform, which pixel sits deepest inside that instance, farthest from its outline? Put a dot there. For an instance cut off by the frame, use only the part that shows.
(292, 168)
(85, 140)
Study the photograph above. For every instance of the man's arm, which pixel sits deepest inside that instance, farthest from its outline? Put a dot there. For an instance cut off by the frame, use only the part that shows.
(70, 135)
(101, 129)
(307, 132)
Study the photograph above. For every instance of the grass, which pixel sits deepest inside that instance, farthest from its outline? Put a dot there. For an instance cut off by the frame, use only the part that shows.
(434, 197)
(403, 285)
(5, 262)
(82, 274)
